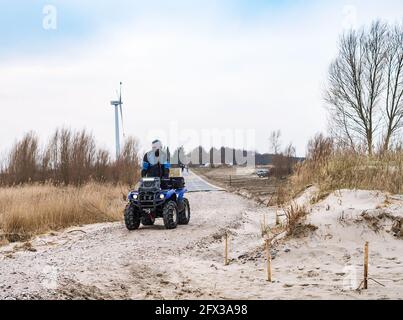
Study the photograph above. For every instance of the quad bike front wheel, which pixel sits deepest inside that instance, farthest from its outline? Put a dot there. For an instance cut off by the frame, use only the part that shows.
(170, 215)
(132, 217)
(184, 215)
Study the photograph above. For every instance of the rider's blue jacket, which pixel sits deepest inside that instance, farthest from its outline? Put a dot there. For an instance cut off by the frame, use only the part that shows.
(156, 165)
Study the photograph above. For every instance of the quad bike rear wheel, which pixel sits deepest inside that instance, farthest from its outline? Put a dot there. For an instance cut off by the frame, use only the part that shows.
(170, 215)
(132, 217)
(184, 215)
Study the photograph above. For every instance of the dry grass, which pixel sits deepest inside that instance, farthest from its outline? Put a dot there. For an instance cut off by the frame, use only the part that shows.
(295, 216)
(29, 210)
(293, 226)
(333, 169)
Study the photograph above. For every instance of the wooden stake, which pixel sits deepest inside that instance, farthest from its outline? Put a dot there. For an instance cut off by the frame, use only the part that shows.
(268, 254)
(366, 266)
(277, 218)
(264, 221)
(226, 250)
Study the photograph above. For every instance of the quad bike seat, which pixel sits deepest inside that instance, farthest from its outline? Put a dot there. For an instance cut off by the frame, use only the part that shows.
(155, 184)
(173, 183)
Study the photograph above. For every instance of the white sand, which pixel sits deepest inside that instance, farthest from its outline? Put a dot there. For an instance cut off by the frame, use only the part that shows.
(109, 262)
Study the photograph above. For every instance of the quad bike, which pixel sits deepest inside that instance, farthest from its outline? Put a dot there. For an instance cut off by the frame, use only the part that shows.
(158, 198)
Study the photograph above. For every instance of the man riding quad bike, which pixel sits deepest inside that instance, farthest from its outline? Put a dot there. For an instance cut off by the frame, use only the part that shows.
(158, 195)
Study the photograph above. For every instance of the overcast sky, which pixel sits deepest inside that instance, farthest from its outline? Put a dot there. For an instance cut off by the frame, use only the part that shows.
(187, 66)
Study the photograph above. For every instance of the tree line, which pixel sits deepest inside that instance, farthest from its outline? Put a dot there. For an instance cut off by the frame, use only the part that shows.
(68, 158)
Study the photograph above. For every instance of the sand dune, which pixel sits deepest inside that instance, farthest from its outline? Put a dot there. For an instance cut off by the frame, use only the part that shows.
(105, 261)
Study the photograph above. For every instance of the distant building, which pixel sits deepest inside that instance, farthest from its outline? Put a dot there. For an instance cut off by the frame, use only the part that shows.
(228, 156)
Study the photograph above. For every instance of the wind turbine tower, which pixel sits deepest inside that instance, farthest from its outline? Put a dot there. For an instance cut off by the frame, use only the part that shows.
(118, 107)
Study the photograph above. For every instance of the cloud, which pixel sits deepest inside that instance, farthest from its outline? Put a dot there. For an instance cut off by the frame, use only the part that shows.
(202, 69)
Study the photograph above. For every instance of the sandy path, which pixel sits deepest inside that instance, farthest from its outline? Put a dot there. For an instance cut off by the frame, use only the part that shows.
(109, 262)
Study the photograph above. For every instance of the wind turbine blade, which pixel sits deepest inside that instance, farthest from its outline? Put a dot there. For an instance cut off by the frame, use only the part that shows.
(121, 111)
(121, 117)
(120, 96)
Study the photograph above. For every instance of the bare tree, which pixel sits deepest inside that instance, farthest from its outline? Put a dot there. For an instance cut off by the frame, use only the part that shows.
(320, 149)
(290, 156)
(394, 85)
(102, 164)
(355, 84)
(23, 159)
(275, 142)
(127, 167)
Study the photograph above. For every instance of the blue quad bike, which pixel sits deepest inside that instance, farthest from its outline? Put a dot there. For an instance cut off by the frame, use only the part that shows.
(158, 198)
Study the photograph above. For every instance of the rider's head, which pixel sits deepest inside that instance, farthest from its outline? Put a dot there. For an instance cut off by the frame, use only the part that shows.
(156, 146)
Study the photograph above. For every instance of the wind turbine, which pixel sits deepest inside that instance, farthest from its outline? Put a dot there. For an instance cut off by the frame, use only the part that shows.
(118, 106)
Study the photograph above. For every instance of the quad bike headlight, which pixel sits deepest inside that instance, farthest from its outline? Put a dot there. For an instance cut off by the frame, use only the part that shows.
(135, 196)
(162, 196)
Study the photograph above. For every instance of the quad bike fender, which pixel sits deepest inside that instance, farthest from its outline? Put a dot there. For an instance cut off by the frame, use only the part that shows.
(176, 195)
(169, 195)
(180, 194)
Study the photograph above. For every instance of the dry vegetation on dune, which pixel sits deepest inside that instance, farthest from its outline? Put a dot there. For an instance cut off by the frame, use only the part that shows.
(332, 168)
(29, 210)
